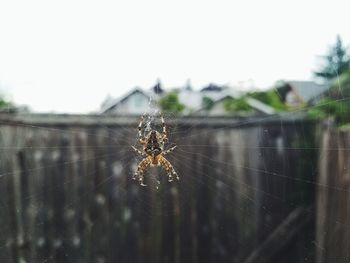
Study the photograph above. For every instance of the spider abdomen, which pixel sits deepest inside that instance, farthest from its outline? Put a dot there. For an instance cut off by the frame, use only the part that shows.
(153, 147)
(154, 151)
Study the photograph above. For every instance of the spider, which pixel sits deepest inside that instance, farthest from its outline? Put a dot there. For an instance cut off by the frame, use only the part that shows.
(153, 152)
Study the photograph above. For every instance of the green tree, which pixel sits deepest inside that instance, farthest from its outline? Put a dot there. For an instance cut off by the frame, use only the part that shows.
(236, 105)
(340, 88)
(4, 103)
(337, 61)
(207, 103)
(336, 103)
(170, 103)
(329, 107)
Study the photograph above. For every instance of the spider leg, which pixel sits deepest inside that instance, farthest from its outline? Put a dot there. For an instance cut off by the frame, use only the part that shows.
(142, 138)
(138, 151)
(141, 169)
(169, 150)
(164, 131)
(163, 123)
(169, 168)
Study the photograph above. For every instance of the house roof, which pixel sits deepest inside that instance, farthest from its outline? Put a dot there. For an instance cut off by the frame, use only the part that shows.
(110, 103)
(212, 87)
(260, 106)
(307, 90)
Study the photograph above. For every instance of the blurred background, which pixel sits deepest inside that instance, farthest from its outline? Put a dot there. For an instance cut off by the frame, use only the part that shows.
(255, 96)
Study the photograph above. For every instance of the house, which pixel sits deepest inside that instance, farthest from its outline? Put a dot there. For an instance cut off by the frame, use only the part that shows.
(193, 99)
(135, 102)
(299, 93)
(139, 101)
(218, 108)
(218, 95)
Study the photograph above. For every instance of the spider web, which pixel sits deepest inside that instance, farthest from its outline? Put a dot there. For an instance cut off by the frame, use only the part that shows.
(228, 180)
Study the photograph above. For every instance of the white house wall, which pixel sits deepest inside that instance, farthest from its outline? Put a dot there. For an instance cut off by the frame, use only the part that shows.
(136, 104)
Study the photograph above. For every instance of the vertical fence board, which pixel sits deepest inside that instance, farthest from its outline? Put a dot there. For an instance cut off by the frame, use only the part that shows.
(333, 199)
(8, 234)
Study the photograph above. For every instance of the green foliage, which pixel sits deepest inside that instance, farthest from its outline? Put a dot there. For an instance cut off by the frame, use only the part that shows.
(340, 88)
(207, 103)
(330, 107)
(236, 105)
(337, 61)
(336, 104)
(269, 97)
(4, 103)
(170, 103)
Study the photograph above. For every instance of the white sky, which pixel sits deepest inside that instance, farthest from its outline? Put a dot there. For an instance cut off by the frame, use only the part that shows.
(66, 56)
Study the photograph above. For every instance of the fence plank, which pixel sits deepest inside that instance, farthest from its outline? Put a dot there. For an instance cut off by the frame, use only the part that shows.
(333, 198)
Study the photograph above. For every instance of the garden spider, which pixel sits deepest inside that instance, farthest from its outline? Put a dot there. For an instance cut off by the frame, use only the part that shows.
(153, 152)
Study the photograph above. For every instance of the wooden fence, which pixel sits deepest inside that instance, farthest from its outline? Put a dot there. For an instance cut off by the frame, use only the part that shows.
(66, 193)
(333, 198)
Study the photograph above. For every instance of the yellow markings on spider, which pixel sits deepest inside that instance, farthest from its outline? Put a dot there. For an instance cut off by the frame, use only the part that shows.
(153, 152)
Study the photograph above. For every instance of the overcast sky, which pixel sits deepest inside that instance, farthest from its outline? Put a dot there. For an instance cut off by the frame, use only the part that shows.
(66, 56)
